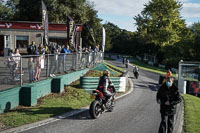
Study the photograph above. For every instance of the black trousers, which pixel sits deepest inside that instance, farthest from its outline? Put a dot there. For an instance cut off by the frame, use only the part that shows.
(166, 124)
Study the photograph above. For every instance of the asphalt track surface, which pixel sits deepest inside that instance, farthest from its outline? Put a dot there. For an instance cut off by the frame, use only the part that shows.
(137, 112)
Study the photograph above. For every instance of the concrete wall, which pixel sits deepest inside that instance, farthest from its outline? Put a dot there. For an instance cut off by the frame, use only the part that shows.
(27, 95)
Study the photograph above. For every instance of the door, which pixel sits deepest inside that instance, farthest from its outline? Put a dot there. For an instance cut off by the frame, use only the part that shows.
(1, 45)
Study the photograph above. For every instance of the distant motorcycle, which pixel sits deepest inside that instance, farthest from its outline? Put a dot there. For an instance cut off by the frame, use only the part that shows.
(101, 104)
(126, 65)
(136, 74)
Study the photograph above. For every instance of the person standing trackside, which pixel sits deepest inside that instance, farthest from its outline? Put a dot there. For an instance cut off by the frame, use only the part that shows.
(64, 51)
(168, 97)
(169, 73)
(31, 48)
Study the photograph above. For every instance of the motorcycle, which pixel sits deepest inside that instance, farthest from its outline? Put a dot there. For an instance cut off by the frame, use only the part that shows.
(101, 103)
(136, 74)
(126, 65)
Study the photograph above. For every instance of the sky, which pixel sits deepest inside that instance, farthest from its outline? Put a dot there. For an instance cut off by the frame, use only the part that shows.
(121, 12)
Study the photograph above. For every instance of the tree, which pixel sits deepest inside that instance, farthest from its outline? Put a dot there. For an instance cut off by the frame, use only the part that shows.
(160, 22)
(5, 12)
(195, 29)
(81, 11)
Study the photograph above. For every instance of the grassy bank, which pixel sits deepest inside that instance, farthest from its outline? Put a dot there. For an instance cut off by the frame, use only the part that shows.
(48, 106)
(147, 67)
(191, 114)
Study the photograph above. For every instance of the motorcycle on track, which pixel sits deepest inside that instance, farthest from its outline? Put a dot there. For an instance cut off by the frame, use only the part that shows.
(136, 74)
(127, 63)
(101, 103)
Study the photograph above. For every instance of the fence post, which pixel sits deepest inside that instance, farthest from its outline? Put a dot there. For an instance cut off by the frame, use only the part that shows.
(64, 65)
(21, 82)
(47, 72)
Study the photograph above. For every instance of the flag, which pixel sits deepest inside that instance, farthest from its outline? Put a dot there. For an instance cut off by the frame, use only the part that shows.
(71, 32)
(74, 37)
(91, 31)
(103, 39)
(45, 23)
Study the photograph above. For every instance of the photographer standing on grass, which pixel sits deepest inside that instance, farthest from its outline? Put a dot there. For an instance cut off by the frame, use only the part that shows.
(168, 97)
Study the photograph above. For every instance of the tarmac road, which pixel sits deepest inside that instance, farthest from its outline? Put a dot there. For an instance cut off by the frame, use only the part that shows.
(137, 112)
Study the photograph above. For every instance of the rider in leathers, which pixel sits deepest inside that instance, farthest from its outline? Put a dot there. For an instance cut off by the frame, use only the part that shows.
(104, 84)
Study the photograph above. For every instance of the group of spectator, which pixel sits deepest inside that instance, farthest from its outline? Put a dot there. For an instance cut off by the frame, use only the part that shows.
(35, 63)
(57, 55)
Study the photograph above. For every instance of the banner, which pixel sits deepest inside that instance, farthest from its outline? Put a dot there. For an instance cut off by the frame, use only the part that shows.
(193, 87)
(45, 23)
(91, 31)
(71, 32)
(103, 39)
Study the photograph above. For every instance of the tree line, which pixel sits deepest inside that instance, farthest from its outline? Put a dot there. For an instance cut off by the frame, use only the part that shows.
(161, 31)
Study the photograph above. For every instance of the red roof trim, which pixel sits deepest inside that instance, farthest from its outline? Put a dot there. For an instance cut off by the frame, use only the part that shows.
(34, 26)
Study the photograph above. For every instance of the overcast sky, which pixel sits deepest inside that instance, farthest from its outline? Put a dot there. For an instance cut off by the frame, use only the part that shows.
(121, 12)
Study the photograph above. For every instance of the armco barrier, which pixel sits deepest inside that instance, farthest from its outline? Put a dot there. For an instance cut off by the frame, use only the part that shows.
(91, 83)
(9, 99)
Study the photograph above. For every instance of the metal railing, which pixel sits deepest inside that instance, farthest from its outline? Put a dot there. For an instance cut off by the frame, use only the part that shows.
(33, 68)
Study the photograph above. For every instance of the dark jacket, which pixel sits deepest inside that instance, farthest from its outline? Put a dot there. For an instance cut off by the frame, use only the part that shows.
(104, 83)
(168, 94)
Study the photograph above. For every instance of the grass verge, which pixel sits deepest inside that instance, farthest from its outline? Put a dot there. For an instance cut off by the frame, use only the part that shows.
(147, 67)
(48, 106)
(191, 114)
(109, 58)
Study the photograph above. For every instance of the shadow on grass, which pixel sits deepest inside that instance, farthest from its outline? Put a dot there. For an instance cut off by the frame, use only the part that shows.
(52, 111)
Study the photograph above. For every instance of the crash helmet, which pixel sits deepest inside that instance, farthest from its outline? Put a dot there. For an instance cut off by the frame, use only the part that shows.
(106, 72)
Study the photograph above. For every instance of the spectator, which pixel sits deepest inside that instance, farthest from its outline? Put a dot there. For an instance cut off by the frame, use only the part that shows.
(15, 59)
(168, 97)
(41, 49)
(62, 59)
(37, 68)
(169, 73)
(46, 49)
(10, 52)
(31, 69)
(90, 49)
(53, 60)
(31, 48)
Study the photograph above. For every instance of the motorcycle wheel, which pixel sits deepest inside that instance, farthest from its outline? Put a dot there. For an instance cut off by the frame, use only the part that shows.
(111, 108)
(95, 109)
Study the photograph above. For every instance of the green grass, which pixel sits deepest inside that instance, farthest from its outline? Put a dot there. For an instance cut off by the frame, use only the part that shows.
(108, 58)
(48, 106)
(191, 114)
(147, 67)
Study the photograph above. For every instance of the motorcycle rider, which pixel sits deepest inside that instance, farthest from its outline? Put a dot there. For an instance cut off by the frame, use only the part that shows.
(135, 71)
(127, 63)
(104, 84)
